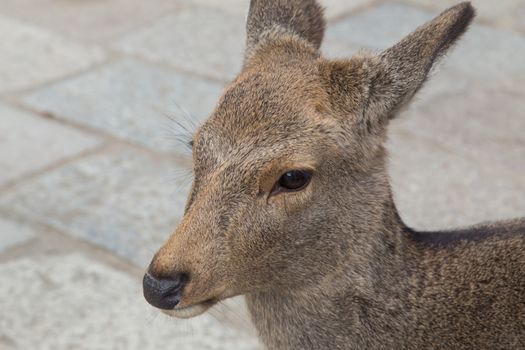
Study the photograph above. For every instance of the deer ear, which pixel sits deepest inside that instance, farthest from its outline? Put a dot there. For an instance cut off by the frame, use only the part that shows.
(270, 20)
(382, 84)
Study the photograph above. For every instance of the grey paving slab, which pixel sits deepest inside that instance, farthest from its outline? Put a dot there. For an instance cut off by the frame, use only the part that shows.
(483, 53)
(30, 143)
(516, 18)
(74, 302)
(338, 8)
(132, 100)
(484, 123)
(436, 189)
(490, 54)
(30, 55)
(333, 8)
(210, 39)
(204, 40)
(240, 7)
(337, 49)
(123, 200)
(90, 21)
(441, 81)
(379, 27)
(13, 233)
(486, 9)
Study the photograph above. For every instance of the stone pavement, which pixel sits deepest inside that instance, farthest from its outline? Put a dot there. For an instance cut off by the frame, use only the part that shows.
(96, 95)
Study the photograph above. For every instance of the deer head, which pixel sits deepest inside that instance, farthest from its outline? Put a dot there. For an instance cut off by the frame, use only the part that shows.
(289, 169)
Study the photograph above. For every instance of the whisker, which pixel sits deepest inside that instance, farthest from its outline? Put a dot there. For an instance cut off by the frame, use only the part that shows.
(180, 128)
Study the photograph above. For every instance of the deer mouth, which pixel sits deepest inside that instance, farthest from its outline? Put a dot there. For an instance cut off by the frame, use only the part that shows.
(191, 310)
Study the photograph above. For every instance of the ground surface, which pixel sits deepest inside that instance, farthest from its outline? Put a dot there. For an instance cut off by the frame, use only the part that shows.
(92, 181)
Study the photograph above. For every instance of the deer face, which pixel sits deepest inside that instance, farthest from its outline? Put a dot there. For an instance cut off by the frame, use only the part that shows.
(290, 159)
(261, 192)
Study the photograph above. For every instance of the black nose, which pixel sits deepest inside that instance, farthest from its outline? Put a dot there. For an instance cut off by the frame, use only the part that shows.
(163, 293)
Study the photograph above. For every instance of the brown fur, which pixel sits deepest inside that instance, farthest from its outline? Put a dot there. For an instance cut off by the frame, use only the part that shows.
(333, 266)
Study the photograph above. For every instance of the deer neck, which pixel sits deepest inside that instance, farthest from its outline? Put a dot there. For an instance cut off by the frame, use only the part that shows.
(362, 302)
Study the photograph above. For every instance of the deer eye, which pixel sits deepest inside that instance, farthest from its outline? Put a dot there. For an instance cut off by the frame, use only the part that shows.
(293, 180)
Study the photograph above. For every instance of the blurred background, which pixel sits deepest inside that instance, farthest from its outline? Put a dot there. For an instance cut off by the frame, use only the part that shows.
(96, 97)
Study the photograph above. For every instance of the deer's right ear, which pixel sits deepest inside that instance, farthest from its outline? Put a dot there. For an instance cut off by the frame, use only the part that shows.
(375, 87)
(271, 20)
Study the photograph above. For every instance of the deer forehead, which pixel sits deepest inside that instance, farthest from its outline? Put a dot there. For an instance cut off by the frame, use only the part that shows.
(264, 116)
(235, 148)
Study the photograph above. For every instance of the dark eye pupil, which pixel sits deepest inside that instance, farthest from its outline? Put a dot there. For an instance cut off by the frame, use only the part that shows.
(294, 179)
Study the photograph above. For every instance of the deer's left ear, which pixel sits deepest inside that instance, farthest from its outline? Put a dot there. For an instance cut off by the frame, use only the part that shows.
(379, 85)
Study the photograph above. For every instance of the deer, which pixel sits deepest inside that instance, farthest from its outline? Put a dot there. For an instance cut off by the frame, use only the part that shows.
(291, 205)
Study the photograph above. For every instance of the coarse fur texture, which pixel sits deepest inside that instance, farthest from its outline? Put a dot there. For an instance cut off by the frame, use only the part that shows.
(333, 266)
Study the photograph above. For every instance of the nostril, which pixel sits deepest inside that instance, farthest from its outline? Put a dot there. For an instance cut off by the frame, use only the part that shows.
(163, 293)
(182, 279)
